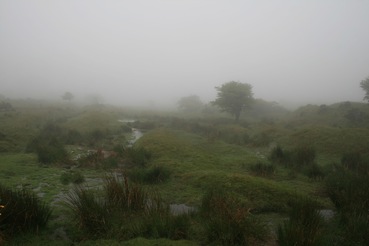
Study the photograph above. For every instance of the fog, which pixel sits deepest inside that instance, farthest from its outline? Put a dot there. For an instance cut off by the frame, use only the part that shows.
(153, 52)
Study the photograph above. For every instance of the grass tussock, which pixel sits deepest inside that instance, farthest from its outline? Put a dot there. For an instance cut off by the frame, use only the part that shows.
(349, 192)
(124, 211)
(152, 175)
(21, 211)
(74, 177)
(304, 227)
(263, 169)
(229, 222)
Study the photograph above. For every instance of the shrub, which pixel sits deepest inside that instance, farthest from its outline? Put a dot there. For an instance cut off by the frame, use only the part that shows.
(22, 212)
(263, 169)
(228, 221)
(51, 152)
(304, 227)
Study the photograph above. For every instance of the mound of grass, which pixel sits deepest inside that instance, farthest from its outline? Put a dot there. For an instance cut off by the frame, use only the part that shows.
(330, 140)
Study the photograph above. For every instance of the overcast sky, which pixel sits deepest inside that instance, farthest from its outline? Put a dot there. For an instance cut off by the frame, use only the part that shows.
(312, 51)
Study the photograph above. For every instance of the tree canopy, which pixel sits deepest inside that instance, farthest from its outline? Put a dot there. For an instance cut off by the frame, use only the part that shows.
(364, 84)
(233, 97)
(68, 96)
(190, 104)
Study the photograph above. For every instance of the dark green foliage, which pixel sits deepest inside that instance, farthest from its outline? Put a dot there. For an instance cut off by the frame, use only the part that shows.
(49, 145)
(356, 162)
(233, 97)
(314, 171)
(349, 192)
(6, 106)
(123, 196)
(73, 137)
(355, 115)
(304, 227)
(90, 211)
(74, 177)
(261, 139)
(229, 222)
(303, 155)
(22, 212)
(152, 175)
(164, 225)
(51, 152)
(263, 169)
(124, 211)
(299, 157)
(277, 154)
(364, 84)
(137, 156)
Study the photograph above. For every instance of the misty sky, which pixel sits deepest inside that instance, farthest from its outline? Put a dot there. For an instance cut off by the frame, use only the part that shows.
(312, 51)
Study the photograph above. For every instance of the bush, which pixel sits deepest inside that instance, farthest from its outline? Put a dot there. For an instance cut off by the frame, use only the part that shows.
(304, 227)
(22, 212)
(263, 169)
(228, 222)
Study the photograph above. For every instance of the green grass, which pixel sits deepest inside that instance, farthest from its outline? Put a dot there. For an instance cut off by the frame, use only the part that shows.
(198, 165)
(199, 154)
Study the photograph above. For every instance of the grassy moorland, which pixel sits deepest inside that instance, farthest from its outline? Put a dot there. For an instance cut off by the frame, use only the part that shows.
(69, 176)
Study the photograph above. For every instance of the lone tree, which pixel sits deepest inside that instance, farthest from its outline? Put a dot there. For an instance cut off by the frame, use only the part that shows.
(364, 84)
(233, 97)
(68, 96)
(190, 104)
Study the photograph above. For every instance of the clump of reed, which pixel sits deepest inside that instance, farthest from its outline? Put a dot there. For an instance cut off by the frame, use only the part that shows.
(304, 226)
(348, 190)
(229, 222)
(263, 169)
(152, 175)
(74, 177)
(21, 211)
(123, 211)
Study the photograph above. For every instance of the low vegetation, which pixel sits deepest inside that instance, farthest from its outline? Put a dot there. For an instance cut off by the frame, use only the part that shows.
(78, 177)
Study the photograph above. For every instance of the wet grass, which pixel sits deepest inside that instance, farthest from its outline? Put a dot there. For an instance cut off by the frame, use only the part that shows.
(228, 157)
